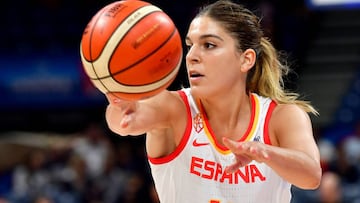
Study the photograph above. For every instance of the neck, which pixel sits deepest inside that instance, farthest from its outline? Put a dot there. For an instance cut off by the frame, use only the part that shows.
(229, 116)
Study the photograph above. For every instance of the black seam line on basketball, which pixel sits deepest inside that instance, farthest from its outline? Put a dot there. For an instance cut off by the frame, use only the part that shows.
(144, 58)
(97, 76)
(127, 17)
(90, 39)
(140, 19)
(90, 51)
(100, 78)
(96, 21)
(171, 36)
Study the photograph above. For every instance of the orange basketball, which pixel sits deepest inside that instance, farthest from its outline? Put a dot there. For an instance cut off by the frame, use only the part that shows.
(131, 49)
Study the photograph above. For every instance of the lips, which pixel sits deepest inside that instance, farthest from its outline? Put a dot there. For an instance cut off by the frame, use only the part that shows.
(195, 74)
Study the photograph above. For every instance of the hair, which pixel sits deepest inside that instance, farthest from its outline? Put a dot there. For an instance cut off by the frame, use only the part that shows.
(266, 77)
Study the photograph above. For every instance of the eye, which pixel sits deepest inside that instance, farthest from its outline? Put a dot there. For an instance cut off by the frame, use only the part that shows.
(188, 47)
(209, 45)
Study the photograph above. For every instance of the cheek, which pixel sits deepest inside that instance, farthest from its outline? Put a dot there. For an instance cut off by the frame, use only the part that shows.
(227, 70)
(227, 57)
(226, 65)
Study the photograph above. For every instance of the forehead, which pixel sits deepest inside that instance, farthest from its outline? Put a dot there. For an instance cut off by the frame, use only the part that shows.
(205, 26)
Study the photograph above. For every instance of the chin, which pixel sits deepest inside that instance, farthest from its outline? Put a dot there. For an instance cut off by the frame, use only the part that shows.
(199, 91)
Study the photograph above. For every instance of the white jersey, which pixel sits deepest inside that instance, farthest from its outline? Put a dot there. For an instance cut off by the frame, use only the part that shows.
(194, 172)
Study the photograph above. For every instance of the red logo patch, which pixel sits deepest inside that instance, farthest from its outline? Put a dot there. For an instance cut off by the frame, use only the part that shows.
(198, 123)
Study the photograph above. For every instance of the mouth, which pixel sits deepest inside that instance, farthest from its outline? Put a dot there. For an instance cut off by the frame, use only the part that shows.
(194, 74)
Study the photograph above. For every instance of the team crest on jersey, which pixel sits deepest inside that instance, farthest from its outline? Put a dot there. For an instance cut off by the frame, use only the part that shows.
(198, 123)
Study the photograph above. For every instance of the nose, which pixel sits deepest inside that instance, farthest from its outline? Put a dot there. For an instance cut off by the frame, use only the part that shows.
(192, 55)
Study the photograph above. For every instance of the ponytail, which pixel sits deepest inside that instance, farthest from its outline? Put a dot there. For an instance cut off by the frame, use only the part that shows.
(266, 78)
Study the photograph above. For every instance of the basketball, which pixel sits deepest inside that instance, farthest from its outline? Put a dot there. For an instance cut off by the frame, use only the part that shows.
(131, 49)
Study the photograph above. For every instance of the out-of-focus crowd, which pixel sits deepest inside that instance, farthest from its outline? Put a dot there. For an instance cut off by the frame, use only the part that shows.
(90, 166)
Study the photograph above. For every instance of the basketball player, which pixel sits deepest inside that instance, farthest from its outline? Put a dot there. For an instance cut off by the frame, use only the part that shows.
(235, 135)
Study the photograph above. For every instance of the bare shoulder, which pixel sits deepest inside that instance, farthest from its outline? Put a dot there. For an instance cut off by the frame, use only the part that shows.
(171, 100)
(176, 108)
(289, 122)
(288, 111)
(166, 101)
(168, 109)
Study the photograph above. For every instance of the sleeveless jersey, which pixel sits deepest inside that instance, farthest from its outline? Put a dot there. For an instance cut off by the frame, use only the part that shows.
(194, 172)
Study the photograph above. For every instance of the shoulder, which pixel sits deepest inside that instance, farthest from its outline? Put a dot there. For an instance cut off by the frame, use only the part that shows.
(284, 111)
(170, 105)
(285, 114)
(170, 99)
(289, 119)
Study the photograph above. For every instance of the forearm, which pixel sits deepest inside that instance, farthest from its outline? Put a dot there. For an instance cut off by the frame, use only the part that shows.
(296, 167)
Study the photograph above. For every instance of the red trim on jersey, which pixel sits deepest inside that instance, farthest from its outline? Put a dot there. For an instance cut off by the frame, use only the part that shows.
(266, 124)
(184, 139)
(252, 118)
(248, 130)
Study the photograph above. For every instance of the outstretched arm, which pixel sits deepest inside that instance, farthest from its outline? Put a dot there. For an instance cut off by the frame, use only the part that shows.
(293, 155)
(162, 118)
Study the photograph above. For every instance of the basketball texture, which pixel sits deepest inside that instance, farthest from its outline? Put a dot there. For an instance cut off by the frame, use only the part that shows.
(131, 49)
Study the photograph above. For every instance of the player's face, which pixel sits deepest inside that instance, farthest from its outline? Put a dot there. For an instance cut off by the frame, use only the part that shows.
(213, 62)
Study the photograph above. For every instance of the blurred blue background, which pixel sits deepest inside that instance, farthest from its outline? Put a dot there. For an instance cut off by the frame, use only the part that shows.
(50, 112)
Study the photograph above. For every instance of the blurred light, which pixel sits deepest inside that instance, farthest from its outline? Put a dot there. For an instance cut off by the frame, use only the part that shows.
(329, 4)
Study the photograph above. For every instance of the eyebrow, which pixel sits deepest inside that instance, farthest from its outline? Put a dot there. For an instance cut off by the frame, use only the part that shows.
(207, 36)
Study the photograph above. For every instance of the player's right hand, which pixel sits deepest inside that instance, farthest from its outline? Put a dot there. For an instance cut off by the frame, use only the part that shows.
(119, 114)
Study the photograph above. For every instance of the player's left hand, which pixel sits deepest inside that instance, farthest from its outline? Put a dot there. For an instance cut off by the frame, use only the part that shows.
(245, 152)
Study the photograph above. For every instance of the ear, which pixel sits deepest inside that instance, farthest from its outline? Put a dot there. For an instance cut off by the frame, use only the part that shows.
(248, 60)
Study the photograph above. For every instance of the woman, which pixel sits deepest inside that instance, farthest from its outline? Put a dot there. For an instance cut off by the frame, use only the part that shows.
(235, 135)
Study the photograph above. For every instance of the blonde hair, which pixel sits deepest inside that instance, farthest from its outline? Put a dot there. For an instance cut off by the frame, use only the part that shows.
(266, 78)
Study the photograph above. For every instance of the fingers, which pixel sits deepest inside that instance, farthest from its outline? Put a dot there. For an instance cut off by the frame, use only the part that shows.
(245, 152)
(233, 167)
(240, 161)
(232, 145)
(256, 150)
